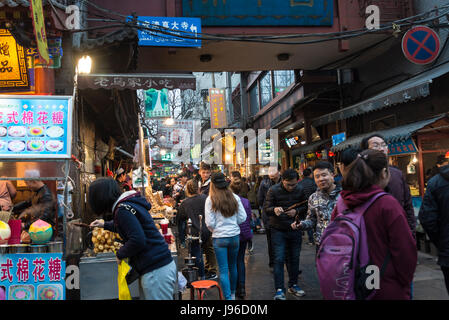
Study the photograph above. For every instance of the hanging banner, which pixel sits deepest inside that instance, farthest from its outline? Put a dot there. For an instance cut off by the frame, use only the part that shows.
(32, 276)
(35, 127)
(156, 104)
(37, 15)
(217, 100)
(13, 66)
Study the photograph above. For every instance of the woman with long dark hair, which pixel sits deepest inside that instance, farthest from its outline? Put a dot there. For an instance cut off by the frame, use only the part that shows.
(245, 237)
(144, 246)
(224, 212)
(386, 224)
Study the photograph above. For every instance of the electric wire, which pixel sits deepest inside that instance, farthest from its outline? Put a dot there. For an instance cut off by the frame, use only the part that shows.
(134, 23)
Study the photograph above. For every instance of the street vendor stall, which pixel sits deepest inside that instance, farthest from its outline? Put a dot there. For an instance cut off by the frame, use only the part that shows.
(35, 145)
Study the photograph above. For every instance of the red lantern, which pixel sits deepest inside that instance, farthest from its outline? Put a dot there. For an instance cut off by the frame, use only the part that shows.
(447, 155)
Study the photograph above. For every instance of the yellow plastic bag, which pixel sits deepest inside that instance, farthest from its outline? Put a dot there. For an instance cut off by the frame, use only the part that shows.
(123, 290)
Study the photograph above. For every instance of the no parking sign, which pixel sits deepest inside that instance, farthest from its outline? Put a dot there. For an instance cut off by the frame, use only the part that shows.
(421, 45)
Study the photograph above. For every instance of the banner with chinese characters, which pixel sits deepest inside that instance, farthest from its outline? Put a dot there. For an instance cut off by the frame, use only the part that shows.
(169, 31)
(402, 147)
(37, 15)
(181, 133)
(35, 127)
(156, 104)
(217, 100)
(13, 67)
(32, 276)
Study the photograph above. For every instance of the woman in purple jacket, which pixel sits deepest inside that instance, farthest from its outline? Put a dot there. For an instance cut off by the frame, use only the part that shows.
(245, 236)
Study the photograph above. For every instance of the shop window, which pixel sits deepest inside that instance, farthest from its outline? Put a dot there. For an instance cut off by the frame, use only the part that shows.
(254, 99)
(265, 89)
(282, 80)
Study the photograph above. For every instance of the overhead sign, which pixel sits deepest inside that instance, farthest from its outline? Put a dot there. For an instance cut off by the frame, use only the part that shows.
(32, 276)
(338, 138)
(181, 133)
(35, 127)
(421, 45)
(156, 104)
(218, 117)
(261, 13)
(137, 81)
(37, 15)
(169, 31)
(402, 147)
(13, 67)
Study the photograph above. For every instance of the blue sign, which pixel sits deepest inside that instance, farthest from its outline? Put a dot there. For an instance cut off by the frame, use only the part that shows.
(261, 12)
(338, 138)
(402, 147)
(32, 276)
(35, 127)
(169, 31)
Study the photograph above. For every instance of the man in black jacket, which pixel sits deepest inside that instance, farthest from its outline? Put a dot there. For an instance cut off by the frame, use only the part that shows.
(434, 216)
(273, 178)
(283, 203)
(309, 186)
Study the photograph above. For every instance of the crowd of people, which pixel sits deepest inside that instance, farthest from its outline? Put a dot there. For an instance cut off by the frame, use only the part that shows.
(225, 212)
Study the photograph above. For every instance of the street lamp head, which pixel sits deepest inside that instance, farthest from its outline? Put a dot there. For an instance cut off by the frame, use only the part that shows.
(84, 65)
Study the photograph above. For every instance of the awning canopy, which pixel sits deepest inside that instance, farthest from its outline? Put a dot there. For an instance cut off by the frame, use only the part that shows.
(411, 89)
(137, 81)
(391, 135)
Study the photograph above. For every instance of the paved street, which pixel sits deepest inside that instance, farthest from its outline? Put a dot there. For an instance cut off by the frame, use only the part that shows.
(428, 282)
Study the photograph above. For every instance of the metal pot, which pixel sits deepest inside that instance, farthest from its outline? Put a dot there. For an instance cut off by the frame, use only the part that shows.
(4, 249)
(55, 247)
(38, 248)
(191, 274)
(18, 248)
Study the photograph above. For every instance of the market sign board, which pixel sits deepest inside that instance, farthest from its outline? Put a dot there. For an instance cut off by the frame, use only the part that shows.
(13, 67)
(402, 147)
(218, 117)
(169, 31)
(156, 104)
(261, 13)
(338, 138)
(35, 127)
(32, 276)
(137, 81)
(180, 134)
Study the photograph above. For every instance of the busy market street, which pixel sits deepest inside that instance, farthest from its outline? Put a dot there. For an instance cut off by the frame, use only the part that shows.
(224, 156)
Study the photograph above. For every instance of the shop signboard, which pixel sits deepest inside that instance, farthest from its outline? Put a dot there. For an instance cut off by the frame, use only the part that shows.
(32, 276)
(402, 147)
(13, 66)
(261, 13)
(181, 133)
(34, 127)
(218, 117)
(169, 31)
(338, 138)
(156, 104)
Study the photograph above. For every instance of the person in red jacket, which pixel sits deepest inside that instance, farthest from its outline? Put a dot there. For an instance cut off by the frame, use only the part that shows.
(386, 225)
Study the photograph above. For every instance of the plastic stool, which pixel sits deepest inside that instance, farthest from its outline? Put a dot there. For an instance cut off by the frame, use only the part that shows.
(201, 286)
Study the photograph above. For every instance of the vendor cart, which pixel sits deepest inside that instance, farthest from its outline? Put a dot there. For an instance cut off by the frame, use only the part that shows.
(36, 133)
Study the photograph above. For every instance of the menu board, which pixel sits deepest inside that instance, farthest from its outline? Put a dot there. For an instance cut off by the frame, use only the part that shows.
(35, 127)
(32, 276)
